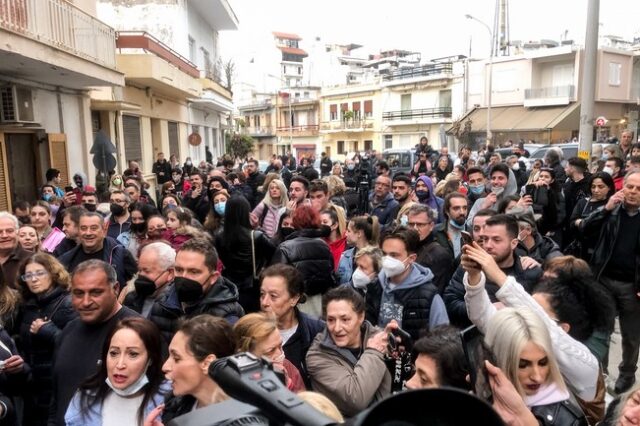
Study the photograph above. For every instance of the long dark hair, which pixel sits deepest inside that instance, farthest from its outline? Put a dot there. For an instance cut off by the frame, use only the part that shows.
(237, 226)
(95, 388)
(606, 179)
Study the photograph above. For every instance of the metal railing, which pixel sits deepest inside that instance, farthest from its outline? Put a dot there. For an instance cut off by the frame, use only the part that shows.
(421, 71)
(567, 91)
(411, 114)
(60, 24)
(259, 130)
(309, 128)
(348, 124)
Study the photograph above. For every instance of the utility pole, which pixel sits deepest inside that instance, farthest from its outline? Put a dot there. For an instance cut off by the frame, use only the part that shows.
(589, 80)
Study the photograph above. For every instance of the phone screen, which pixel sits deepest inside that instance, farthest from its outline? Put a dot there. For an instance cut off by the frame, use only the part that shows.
(466, 237)
(476, 353)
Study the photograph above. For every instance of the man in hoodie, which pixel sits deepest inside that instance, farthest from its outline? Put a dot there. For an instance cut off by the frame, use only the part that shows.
(477, 184)
(404, 290)
(503, 183)
(381, 202)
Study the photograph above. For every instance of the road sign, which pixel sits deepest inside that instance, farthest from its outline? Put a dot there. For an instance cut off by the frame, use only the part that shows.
(601, 121)
(585, 155)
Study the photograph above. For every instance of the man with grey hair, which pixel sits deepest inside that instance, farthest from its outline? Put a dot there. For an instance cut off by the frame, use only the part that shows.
(94, 295)
(553, 159)
(430, 253)
(155, 272)
(626, 140)
(11, 254)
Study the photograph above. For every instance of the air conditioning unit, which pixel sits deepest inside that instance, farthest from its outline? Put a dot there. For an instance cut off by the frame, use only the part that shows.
(16, 105)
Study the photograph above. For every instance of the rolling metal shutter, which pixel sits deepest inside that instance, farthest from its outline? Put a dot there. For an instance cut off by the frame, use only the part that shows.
(174, 142)
(132, 139)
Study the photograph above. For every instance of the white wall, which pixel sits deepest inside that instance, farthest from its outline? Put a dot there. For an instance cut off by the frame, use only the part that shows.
(203, 35)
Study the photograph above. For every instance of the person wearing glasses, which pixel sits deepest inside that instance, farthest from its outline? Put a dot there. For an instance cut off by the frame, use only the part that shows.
(430, 253)
(46, 310)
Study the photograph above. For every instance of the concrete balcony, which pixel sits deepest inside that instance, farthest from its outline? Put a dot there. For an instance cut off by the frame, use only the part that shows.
(418, 74)
(148, 62)
(549, 96)
(259, 131)
(306, 130)
(350, 125)
(417, 116)
(56, 43)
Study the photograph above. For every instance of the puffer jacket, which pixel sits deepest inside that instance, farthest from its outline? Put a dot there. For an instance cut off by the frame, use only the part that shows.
(544, 249)
(220, 301)
(311, 256)
(37, 349)
(353, 384)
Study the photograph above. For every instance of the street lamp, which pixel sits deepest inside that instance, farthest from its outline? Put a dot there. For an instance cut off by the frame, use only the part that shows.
(489, 135)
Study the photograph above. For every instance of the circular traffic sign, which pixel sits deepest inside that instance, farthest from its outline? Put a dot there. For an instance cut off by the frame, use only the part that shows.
(601, 121)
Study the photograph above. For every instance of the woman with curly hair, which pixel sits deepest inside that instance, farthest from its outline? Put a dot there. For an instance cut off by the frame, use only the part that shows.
(46, 309)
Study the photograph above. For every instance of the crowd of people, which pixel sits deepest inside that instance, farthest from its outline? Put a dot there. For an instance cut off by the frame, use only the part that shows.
(113, 305)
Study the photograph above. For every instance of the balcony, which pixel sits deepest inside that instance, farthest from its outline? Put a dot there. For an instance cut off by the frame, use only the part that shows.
(258, 106)
(549, 96)
(259, 131)
(294, 131)
(79, 52)
(351, 125)
(149, 62)
(417, 116)
(414, 74)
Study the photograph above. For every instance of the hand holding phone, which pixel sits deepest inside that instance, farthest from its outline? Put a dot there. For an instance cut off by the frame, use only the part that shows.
(476, 352)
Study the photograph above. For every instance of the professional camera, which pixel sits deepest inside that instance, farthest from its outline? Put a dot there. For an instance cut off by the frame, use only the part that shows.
(399, 360)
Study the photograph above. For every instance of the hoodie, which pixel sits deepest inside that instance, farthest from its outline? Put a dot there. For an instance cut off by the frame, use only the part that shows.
(510, 189)
(391, 307)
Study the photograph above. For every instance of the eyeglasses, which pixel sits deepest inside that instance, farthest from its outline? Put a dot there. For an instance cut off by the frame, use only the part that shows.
(418, 225)
(31, 275)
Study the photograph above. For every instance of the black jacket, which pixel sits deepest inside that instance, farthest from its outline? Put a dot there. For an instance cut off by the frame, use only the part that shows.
(295, 349)
(220, 301)
(608, 222)
(237, 257)
(437, 258)
(585, 238)
(199, 206)
(162, 171)
(254, 181)
(544, 249)
(65, 245)
(311, 256)
(563, 413)
(454, 293)
(37, 349)
(113, 253)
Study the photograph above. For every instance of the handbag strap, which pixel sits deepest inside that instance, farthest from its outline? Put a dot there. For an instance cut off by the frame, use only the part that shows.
(253, 254)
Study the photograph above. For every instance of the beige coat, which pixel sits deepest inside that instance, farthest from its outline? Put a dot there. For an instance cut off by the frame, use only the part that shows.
(352, 384)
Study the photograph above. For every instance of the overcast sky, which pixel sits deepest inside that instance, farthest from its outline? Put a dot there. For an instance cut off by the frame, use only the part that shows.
(434, 28)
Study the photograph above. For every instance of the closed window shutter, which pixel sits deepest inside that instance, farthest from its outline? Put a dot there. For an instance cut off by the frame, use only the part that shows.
(333, 108)
(174, 145)
(356, 106)
(132, 140)
(368, 106)
(5, 199)
(58, 155)
(344, 107)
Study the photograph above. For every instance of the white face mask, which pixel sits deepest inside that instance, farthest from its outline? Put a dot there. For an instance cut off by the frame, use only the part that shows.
(133, 388)
(608, 170)
(392, 267)
(515, 167)
(360, 279)
(498, 190)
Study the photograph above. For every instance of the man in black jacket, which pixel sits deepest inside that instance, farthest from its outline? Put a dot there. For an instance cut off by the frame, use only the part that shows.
(500, 238)
(616, 263)
(162, 169)
(574, 188)
(94, 295)
(71, 229)
(325, 164)
(196, 199)
(155, 272)
(430, 253)
(198, 288)
(255, 179)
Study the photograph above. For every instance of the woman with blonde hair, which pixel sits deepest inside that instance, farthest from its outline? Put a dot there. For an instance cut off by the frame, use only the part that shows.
(266, 214)
(322, 404)
(337, 189)
(258, 333)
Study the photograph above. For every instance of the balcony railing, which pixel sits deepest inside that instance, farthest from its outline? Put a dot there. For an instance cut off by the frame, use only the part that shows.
(145, 41)
(308, 129)
(259, 131)
(60, 24)
(422, 71)
(349, 124)
(413, 114)
(567, 91)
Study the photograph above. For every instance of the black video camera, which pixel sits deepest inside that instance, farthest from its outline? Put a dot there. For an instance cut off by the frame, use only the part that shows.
(399, 360)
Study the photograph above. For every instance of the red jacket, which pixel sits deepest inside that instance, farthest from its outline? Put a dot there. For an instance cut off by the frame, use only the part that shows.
(336, 248)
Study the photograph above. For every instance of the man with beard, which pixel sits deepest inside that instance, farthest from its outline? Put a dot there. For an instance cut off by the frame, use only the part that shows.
(381, 202)
(70, 227)
(448, 233)
(500, 239)
(401, 188)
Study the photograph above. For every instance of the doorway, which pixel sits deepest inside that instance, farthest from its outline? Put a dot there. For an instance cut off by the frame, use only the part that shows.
(24, 179)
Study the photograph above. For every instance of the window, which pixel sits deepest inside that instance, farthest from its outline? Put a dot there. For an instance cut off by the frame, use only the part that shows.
(132, 138)
(299, 70)
(333, 112)
(192, 50)
(208, 65)
(355, 106)
(343, 108)
(368, 145)
(388, 141)
(174, 141)
(368, 108)
(306, 95)
(444, 100)
(615, 69)
(256, 120)
(340, 147)
(355, 146)
(284, 69)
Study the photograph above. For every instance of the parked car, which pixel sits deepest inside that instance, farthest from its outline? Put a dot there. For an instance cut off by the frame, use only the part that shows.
(400, 159)
(568, 150)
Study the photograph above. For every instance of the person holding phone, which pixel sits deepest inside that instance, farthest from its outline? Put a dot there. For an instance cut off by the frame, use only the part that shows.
(196, 199)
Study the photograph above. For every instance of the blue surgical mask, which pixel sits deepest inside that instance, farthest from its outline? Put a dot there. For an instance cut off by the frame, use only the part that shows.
(219, 208)
(351, 166)
(47, 197)
(455, 225)
(477, 190)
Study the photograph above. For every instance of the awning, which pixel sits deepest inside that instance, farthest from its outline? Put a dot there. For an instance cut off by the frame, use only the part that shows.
(104, 105)
(520, 118)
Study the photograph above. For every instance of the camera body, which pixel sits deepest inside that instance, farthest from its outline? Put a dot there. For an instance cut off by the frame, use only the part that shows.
(399, 361)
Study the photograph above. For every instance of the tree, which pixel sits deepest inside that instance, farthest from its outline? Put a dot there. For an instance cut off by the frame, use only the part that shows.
(239, 146)
(229, 68)
(462, 131)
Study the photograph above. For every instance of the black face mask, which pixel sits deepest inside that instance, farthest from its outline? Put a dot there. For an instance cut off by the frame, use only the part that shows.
(144, 286)
(138, 228)
(90, 207)
(116, 209)
(286, 231)
(188, 290)
(25, 220)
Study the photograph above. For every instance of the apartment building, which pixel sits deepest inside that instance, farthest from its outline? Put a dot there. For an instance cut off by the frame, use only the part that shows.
(260, 122)
(174, 100)
(52, 53)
